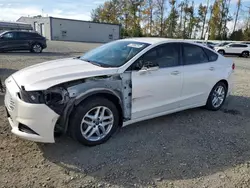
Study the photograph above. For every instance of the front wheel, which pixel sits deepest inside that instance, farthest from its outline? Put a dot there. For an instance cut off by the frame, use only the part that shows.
(36, 48)
(222, 52)
(93, 122)
(217, 97)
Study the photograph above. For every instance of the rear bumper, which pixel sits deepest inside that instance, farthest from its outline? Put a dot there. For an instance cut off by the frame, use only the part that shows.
(37, 117)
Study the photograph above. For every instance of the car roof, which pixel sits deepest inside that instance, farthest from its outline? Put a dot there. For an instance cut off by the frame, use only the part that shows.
(155, 40)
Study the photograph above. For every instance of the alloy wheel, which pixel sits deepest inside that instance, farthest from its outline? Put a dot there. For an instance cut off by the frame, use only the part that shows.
(245, 54)
(218, 96)
(37, 48)
(97, 123)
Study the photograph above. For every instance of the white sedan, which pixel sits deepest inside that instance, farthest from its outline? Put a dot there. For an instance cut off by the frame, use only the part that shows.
(116, 84)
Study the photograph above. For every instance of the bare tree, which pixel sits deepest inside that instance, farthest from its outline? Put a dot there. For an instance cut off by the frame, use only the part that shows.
(204, 19)
(160, 10)
(237, 14)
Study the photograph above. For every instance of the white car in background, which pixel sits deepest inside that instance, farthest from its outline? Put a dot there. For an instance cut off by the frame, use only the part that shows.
(116, 84)
(240, 49)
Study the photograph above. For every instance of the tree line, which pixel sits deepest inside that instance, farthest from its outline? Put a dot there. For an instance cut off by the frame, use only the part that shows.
(167, 18)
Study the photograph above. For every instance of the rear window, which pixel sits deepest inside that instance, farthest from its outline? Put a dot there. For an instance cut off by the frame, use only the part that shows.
(211, 55)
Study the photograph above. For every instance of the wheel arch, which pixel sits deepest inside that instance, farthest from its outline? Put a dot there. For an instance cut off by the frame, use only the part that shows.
(105, 93)
(224, 81)
(35, 42)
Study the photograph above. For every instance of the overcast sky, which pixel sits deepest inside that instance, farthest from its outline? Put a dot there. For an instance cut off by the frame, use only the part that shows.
(11, 10)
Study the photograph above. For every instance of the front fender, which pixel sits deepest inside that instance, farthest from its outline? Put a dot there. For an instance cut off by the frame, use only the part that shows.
(95, 91)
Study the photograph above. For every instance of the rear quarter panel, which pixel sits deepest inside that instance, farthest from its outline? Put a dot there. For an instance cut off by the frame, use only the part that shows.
(223, 71)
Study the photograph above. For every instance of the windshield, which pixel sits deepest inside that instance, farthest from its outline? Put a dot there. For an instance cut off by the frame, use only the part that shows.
(1, 33)
(223, 44)
(114, 54)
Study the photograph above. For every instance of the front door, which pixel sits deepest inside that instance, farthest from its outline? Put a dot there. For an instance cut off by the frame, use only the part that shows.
(156, 81)
(8, 41)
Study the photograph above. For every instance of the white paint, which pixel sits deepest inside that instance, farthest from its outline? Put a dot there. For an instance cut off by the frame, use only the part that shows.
(228, 49)
(45, 75)
(159, 88)
(39, 117)
(155, 92)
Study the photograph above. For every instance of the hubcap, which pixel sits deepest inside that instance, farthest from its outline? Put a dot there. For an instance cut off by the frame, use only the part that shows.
(37, 48)
(245, 54)
(97, 123)
(218, 96)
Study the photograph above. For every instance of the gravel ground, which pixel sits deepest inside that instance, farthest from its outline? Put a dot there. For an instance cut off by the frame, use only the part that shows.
(195, 148)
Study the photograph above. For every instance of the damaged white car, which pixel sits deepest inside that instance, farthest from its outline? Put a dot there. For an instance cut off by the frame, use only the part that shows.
(114, 85)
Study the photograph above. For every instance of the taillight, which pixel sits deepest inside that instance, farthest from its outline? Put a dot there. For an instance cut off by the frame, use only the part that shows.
(233, 66)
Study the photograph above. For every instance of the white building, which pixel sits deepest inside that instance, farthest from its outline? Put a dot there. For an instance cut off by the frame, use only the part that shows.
(73, 30)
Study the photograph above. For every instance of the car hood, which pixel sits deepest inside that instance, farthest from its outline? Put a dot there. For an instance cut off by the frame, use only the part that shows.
(45, 75)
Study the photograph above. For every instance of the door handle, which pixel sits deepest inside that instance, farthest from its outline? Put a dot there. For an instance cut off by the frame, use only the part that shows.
(175, 73)
(212, 68)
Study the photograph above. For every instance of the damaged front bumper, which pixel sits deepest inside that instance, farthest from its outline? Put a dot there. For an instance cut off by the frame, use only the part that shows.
(35, 122)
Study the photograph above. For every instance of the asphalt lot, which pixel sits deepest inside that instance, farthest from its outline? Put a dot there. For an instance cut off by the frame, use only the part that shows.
(194, 149)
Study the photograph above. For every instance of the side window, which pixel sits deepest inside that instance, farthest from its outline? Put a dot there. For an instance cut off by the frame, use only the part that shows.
(36, 35)
(8, 36)
(23, 35)
(193, 54)
(238, 45)
(243, 45)
(211, 55)
(163, 56)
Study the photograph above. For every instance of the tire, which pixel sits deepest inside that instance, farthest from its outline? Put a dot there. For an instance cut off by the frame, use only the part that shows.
(222, 52)
(210, 105)
(245, 54)
(36, 48)
(88, 109)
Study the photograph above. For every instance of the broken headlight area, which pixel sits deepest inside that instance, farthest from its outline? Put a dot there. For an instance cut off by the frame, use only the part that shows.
(34, 97)
(55, 98)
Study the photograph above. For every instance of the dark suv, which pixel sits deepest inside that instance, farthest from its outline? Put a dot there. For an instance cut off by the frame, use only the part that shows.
(22, 40)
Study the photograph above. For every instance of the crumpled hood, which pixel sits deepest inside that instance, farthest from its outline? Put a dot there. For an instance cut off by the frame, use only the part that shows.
(45, 75)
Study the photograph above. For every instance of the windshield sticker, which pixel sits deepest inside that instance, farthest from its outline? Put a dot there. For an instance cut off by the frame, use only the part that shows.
(135, 45)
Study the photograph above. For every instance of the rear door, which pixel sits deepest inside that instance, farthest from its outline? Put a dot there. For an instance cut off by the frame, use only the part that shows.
(197, 74)
(24, 40)
(235, 48)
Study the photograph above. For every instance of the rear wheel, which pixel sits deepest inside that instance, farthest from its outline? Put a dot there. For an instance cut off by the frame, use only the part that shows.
(217, 97)
(94, 121)
(245, 54)
(36, 48)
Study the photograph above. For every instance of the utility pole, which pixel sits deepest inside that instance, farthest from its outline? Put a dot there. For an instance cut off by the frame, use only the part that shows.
(237, 14)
